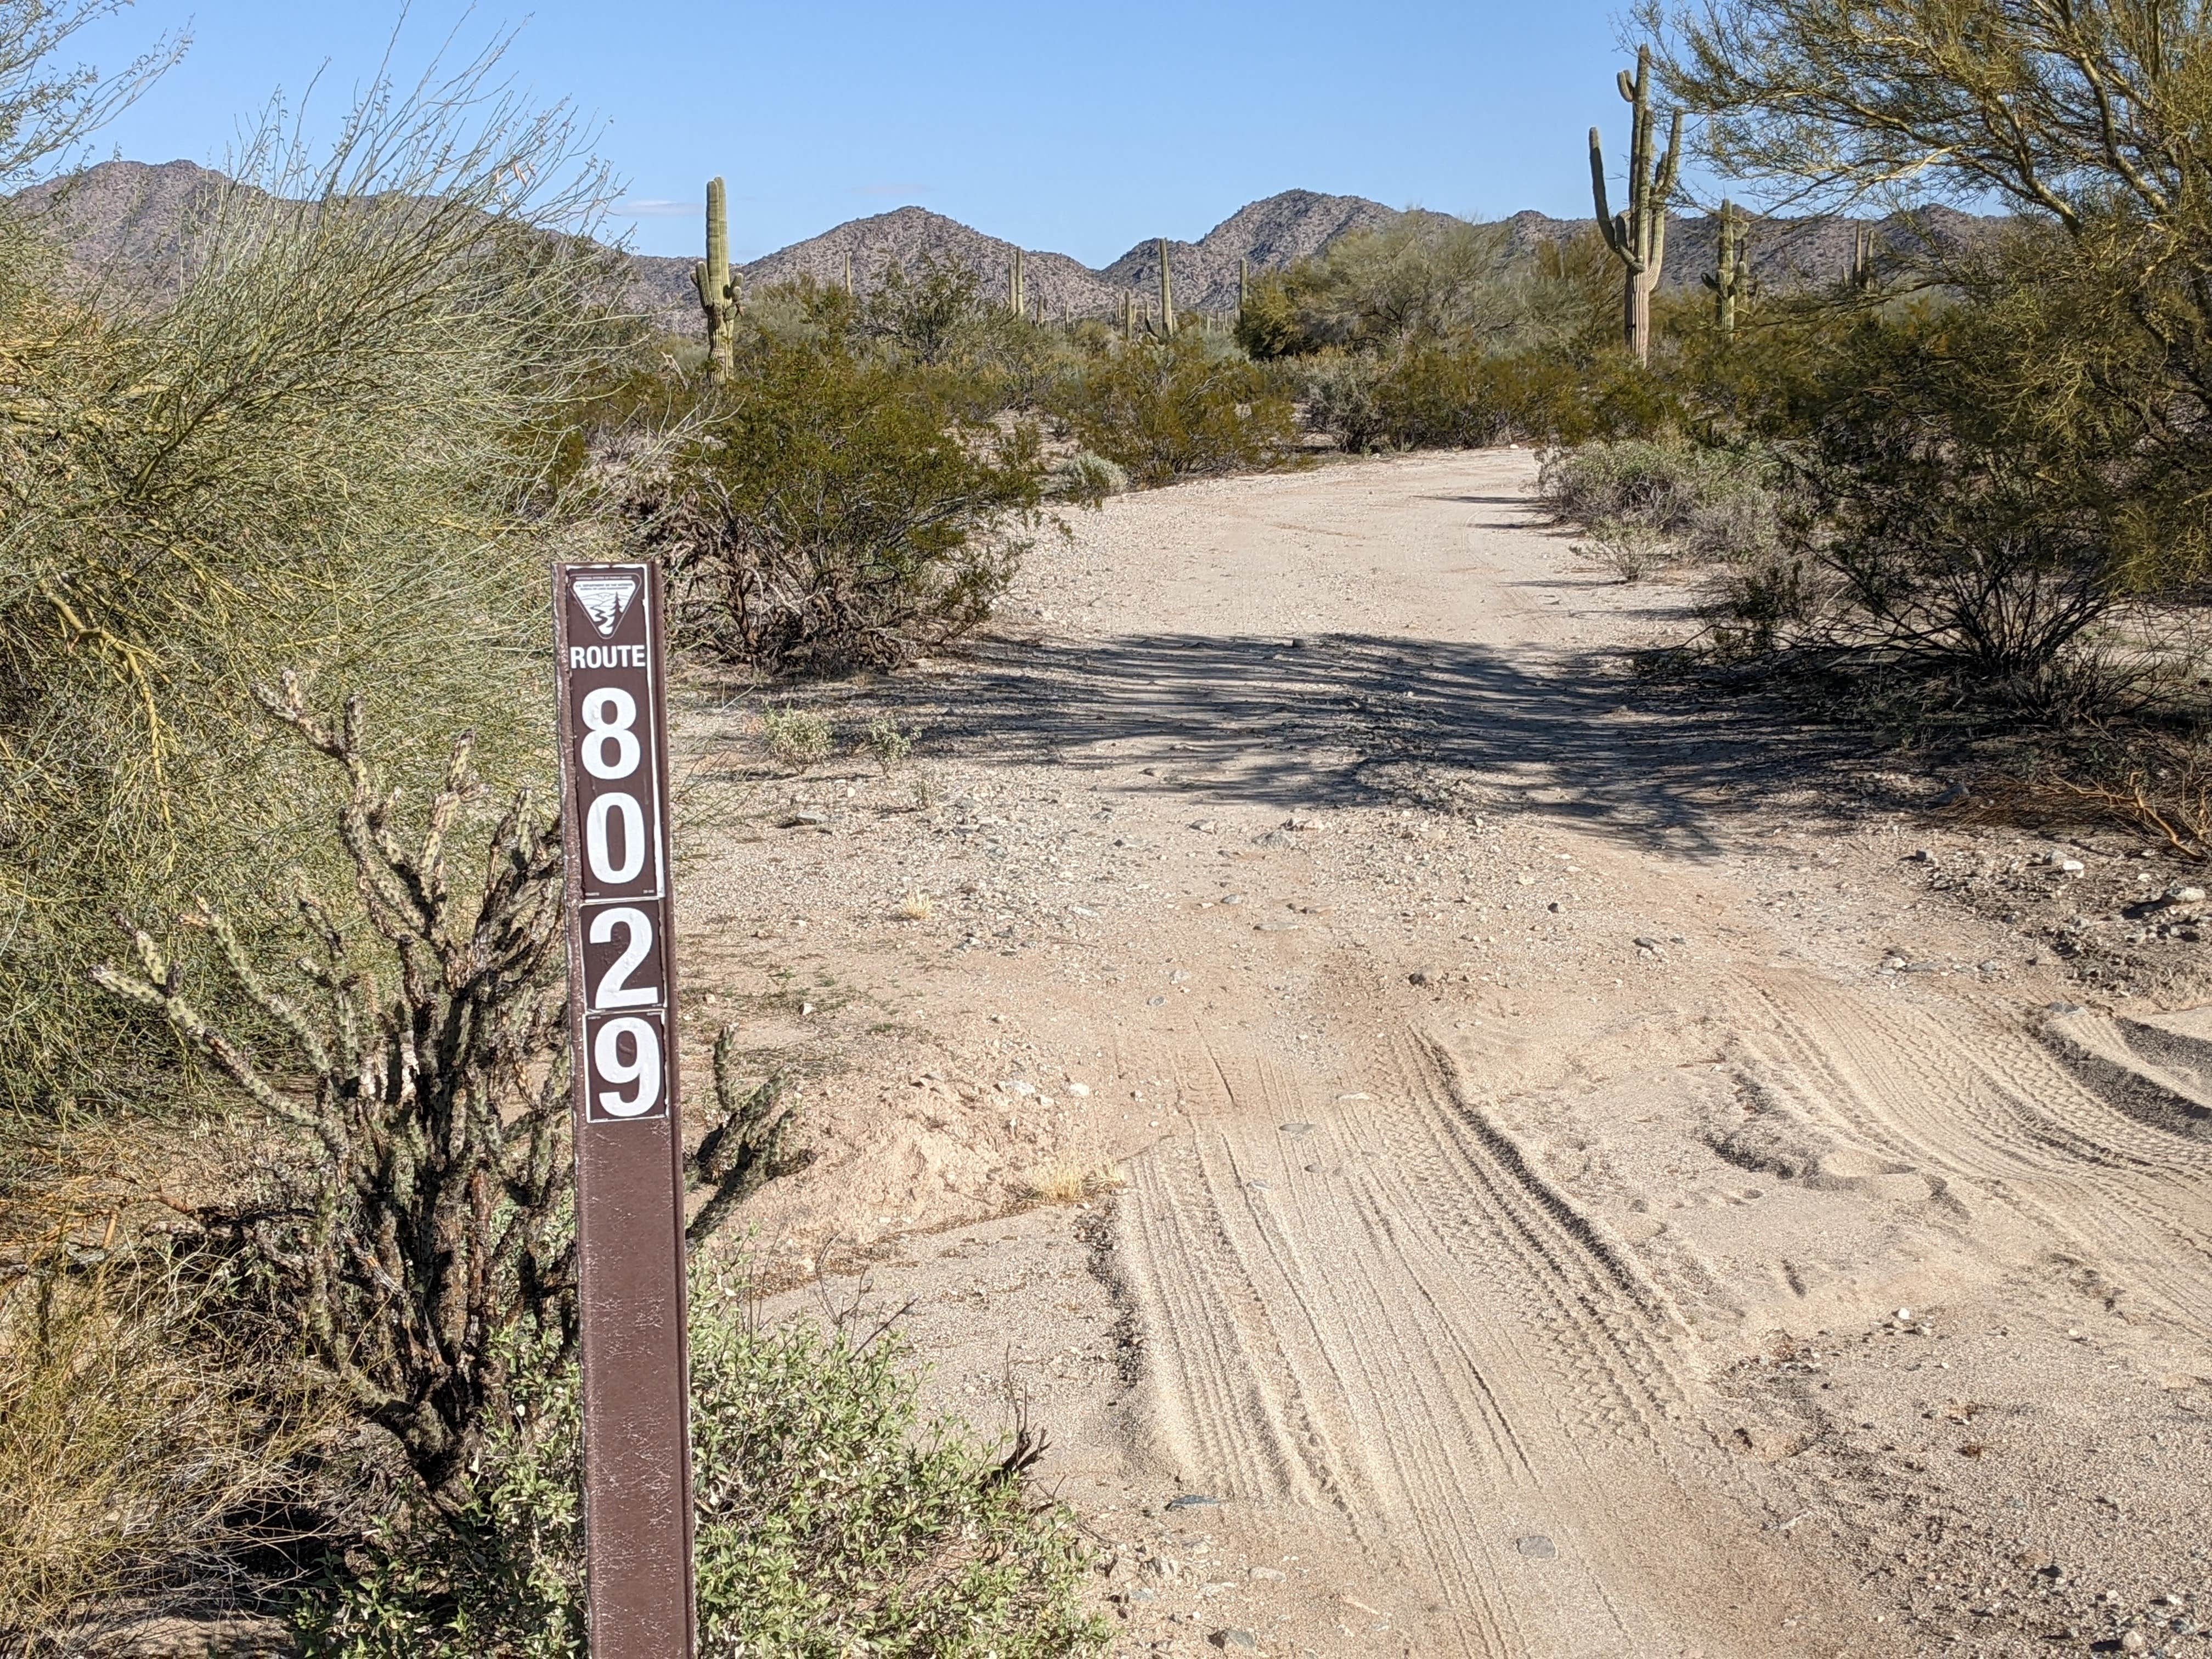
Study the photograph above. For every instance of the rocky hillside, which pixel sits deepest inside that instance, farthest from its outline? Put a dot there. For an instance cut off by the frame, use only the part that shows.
(125, 223)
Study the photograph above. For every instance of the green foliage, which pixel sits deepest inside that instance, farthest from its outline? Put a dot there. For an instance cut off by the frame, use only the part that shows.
(798, 738)
(832, 1518)
(1087, 480)
(1424, 281)
(2076, 352)
(1443, 398)
(1178, 408)
(327, 453)
(1269, 324)
(891, 746)
(1713, 504)
(829, 507)
(930, 315)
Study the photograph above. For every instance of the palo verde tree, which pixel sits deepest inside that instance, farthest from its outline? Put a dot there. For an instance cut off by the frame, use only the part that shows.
(2087, 118)
(1638, 234)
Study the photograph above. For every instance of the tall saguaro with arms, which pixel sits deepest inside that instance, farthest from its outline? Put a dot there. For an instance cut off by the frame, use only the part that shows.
(629, 1144)
(1638, 234)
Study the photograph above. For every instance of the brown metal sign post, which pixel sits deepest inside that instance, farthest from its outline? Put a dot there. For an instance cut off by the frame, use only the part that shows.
(630, 1146)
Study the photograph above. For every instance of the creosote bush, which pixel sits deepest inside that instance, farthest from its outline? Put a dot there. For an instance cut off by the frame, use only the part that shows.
(830, 508)
(832, 1517)
(1179, 408)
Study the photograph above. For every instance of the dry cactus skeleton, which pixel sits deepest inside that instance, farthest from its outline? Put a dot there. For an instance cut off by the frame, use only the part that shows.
(427, 1087)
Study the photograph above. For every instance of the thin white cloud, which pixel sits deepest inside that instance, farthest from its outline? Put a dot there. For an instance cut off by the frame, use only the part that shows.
(649, 207)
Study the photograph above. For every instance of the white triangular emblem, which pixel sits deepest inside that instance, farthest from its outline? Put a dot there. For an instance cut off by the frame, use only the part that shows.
(605, 600)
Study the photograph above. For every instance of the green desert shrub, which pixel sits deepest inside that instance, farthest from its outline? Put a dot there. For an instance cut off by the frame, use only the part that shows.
(1087, 479)
(1337, 394)
(1711, 503)
(827, 507)
(833, 1517)
(324, 449)
(1454, 396)
(798, 738)
(1179, 408)
(929, 315)
(1426, 279)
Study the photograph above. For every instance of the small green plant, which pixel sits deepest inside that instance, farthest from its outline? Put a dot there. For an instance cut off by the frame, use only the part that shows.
(798, 738)
(891, 747)
(833, 1518)
(1086, 480)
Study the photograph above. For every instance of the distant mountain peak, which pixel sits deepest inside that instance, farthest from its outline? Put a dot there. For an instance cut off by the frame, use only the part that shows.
(129, 217)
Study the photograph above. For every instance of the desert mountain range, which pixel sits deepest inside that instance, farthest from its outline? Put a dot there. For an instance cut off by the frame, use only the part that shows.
(135, 216)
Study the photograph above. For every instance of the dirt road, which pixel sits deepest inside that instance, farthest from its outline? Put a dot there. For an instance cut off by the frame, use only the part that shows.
(1538, 1166)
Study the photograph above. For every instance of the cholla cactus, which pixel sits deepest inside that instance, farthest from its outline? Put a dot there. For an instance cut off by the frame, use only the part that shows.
(1638, 236)
(717, 294)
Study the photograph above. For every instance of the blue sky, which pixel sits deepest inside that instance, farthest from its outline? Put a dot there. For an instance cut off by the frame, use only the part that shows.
(1080, 129)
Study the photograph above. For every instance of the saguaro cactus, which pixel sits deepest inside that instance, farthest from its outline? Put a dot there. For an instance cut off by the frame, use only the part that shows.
(1167, 294)
(1637, 236)
(1017, 298)
(1730, 279)
(1243, 284)
(1862, 258)
(718, 294)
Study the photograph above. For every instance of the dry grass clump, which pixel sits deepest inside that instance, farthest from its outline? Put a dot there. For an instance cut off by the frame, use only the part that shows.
(138, 1467)
(1070, 1183)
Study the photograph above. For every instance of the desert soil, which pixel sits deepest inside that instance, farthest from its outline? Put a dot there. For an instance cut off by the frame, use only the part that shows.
(1467, 1152)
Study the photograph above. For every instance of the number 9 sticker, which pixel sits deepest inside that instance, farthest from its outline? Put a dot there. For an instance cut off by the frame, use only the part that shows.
(626, 1072)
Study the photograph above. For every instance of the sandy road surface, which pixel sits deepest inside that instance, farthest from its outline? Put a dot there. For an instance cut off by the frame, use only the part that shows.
(1528, 1207)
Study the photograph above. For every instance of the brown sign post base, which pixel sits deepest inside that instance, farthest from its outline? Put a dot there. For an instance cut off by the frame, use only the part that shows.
(612, 680)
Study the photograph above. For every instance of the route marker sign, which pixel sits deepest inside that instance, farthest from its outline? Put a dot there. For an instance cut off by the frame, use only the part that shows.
(611, 677)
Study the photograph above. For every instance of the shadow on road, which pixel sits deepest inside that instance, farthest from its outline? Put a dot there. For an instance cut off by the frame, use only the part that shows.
(1343, 719)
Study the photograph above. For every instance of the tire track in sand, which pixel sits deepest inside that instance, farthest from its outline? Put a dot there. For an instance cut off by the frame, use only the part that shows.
(1383, 1310)
(1977, 1100)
